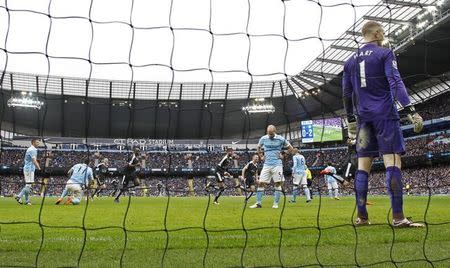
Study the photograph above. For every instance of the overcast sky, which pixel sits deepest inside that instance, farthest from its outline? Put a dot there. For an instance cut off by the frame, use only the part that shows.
(151, 49)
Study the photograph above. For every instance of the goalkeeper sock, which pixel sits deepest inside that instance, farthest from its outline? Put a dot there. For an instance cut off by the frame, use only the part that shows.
(259, 195)
(361, 187)
(278, 190)
(294, 193)
(395, 188)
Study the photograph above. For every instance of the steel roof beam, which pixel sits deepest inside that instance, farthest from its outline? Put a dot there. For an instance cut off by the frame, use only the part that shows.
(351, 49)
(387, 20)
(405, 4)
(307, 81)
(337, 62)
(320, 74)
(321, 88)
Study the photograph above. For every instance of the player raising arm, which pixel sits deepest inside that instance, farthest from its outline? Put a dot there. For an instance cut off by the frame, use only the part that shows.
(272, 143)
(30, 165)
(371, 86)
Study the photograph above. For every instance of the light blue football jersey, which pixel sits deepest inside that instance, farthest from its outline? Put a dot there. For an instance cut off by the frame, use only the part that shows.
(272, 148)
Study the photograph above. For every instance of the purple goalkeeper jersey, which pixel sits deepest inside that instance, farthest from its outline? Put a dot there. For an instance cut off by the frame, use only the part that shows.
(372, 79)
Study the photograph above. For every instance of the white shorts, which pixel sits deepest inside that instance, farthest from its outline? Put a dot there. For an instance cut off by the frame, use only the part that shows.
(29, 177)
(271, 173)
(332, 184)
(73, 188)
(299, 179)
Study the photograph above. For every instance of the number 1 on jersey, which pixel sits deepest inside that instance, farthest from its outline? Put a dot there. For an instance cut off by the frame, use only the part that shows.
(362, 73)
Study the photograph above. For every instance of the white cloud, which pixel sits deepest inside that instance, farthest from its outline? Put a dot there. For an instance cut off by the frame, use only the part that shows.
(71, 37)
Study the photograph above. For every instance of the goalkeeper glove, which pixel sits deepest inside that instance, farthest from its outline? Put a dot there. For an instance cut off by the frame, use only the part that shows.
(414, 118)
(351, 127)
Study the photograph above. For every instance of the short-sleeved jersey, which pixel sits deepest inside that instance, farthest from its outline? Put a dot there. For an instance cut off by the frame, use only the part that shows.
(28, 162)
(298, 164)
(132, 160)
(372, 79)
(224, 163)
(332, 170)
(101, 170)
(251, 169)
(308, 174)
(272, 148)
(81, 174)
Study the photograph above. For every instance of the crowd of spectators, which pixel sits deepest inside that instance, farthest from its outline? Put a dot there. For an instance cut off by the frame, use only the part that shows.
(425, 180)
(435, 108)
(418, 179)
(434, 143)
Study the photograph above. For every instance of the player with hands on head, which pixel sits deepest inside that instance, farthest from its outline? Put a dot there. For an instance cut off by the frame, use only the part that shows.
(273, 144)
(371, 87)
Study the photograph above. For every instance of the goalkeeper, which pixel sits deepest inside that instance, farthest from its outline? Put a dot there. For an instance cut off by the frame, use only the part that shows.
(371, 86)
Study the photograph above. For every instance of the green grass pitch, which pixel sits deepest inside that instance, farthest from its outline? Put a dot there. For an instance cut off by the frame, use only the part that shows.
(329, 133)
(146, 238)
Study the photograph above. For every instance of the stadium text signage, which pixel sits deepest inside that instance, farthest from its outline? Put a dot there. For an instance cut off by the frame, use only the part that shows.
(142, 142)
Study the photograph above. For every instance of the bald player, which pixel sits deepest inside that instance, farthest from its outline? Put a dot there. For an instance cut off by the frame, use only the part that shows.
(272, 144)
(371, 87)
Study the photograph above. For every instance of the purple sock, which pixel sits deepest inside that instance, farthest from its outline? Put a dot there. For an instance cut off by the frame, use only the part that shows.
(395, 188)
(362, 187)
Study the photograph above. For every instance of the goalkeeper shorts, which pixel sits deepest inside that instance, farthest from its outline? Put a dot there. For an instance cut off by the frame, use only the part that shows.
(379, 137)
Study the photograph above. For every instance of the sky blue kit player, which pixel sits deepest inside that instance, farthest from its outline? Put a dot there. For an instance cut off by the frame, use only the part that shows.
(272, 169)
(371, 87)
(299, 177)
(29, 167)
(332, 185)
(80, 176)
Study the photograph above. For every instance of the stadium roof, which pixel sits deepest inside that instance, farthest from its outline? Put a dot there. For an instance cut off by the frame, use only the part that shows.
(399, 19)
(189, 110)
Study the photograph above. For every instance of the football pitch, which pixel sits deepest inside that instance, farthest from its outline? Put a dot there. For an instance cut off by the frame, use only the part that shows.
(330, 133)
(186, 232)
